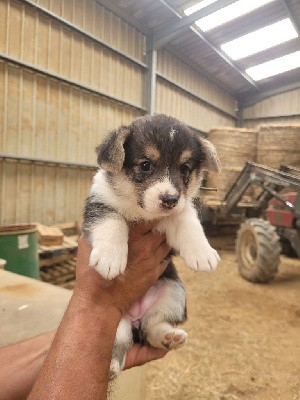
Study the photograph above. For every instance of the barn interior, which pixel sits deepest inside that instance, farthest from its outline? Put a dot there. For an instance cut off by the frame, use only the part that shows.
(73, 70)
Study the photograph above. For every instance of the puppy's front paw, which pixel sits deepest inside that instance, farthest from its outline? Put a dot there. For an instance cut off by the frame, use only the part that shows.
(200, 258)
(109, 259)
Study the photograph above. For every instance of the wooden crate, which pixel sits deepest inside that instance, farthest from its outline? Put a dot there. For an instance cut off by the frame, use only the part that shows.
(50, 235)
(70, 229)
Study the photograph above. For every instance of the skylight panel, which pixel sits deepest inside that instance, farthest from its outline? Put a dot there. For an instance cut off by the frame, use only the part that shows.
(275, 67)
(198, 6)
(225, 14)
(261, 39)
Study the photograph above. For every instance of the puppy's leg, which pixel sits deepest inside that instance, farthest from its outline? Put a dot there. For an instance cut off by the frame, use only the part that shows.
(109, 240)
(185, 234)
(122, 344)
(169, 310)
(108, 234)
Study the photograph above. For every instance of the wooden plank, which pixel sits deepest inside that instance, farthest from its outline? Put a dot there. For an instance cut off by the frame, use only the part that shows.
(60, 273)
(55, 260)
(49, 235)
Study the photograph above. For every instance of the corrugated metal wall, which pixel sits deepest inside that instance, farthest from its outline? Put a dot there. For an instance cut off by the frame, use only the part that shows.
(282, 109)
(41, 192)
(55, 106)
(48, 119)
(184, 93)
(200, 116)
(70, 71)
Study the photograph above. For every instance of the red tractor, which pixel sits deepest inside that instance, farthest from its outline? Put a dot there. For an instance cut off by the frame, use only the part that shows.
(271, 222)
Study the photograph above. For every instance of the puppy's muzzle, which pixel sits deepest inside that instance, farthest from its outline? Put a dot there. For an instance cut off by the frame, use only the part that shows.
(169, 201)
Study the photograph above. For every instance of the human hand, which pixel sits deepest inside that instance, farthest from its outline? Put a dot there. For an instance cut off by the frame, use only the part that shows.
(146, 262)
(140, 354)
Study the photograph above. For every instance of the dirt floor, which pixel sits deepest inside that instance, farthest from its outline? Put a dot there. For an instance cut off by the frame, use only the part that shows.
(244, 339)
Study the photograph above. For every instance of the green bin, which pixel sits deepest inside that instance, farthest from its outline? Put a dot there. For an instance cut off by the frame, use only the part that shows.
(18, 246)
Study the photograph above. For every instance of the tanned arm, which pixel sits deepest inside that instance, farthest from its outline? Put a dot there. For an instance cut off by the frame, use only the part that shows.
(20, 365)
(77, 365)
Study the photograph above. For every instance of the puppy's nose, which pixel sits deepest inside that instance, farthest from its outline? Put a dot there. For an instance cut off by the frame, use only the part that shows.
(169, 200)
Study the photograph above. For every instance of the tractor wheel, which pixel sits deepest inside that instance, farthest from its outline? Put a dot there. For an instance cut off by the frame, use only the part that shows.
(258, 250)
(287, 249)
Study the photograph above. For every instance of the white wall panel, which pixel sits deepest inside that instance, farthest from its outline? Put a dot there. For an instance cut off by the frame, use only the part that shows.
(281, 108)
(173, 101)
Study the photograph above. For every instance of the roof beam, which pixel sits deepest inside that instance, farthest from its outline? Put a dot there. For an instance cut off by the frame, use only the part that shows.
(291, 16)
(227, 59)
(157, 42)
(249, 101)
(198, 69)
(164, 35)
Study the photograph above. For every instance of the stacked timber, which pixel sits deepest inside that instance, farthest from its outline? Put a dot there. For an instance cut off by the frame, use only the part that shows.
(49, 235)
(62, 273)
(279, 145)
(234, 146)
(57, 259)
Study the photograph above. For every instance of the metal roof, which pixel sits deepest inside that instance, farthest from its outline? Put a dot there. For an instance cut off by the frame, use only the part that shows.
(165, 22)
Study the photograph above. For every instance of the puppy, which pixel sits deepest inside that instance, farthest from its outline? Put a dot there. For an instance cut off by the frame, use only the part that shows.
(150, 170)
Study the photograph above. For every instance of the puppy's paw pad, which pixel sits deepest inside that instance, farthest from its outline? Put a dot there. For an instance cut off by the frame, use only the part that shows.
(174, 339)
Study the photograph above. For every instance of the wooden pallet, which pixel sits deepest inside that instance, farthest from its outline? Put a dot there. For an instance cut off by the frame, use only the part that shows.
(50, 255)
(68, 285)
(62, 274)
(58, 261)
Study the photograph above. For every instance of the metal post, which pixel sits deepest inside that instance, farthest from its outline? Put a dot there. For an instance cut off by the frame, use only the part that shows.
(150, 89)
(240, 115)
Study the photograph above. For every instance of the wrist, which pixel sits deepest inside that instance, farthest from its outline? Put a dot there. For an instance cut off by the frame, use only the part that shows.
(99, 303)
(94, 291)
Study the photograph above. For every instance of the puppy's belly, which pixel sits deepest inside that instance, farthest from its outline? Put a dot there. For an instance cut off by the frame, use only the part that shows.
(140, 308)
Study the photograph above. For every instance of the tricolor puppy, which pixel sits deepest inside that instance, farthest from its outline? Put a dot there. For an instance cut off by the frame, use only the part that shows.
(149, 170)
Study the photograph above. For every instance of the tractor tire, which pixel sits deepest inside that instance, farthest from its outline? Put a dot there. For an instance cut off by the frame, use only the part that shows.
(258, 250)
(287, 249)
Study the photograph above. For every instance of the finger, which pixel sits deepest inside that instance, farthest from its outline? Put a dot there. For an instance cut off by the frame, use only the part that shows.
(139, 355)
(157, 238)
(141, 228)
(157, 241)
(162, 251)
(152, 240)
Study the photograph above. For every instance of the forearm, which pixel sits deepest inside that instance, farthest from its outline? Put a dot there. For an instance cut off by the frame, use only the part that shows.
(20, 365)
(77, 366)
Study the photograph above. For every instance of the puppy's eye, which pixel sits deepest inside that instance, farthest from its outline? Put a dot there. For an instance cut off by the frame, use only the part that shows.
(146, 166)
(184, 169)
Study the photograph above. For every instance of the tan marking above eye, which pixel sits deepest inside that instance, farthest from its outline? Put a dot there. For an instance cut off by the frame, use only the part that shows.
(152, 152)
(185, 156)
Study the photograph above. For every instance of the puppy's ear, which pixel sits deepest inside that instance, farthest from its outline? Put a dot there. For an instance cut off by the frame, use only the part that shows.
(111, 153)
(211, 160)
